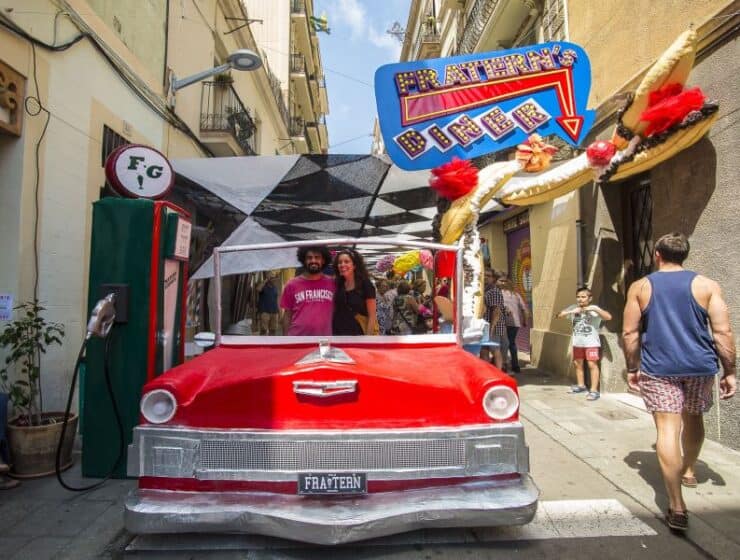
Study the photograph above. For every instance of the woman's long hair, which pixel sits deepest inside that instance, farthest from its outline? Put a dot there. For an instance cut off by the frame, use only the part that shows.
(360, 273)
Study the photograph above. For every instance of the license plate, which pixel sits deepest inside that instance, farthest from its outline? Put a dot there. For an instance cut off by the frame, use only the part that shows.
(332, 483)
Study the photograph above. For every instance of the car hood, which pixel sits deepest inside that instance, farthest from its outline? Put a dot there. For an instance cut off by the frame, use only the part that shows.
(263, 387)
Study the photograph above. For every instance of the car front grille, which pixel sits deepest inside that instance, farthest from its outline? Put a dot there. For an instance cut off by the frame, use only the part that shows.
(281, 455)
(361, 455)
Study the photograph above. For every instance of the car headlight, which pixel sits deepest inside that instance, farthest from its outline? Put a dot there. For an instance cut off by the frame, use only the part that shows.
(158, 406)
(500, 402)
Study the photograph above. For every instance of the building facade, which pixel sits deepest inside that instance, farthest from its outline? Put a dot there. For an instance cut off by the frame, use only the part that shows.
(286, 33)
(603, 237)
(79, 78)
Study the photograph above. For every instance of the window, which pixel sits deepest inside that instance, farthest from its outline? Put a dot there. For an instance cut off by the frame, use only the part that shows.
(111, 141)
(638, 225)
(554, 24)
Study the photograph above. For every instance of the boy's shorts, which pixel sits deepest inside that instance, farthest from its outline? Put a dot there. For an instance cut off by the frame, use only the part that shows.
(590, 353)
(690, 393)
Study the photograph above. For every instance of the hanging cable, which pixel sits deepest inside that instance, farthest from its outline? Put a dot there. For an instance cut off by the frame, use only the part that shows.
(28, 105)
(351, 140)
(68, 408)
(160, 109)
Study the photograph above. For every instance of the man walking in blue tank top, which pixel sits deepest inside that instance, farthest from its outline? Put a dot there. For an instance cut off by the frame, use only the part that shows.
(671, 359)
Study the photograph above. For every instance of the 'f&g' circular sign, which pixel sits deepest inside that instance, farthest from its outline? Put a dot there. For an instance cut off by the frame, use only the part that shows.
(137, 171)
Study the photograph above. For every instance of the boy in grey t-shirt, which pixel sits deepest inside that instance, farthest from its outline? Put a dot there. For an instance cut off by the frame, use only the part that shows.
(586, 319)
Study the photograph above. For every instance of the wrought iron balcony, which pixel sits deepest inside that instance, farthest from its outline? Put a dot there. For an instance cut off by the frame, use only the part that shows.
(475, 24)
(428, 45)
(277, 91)
(221, 110)
(298, 7)
(297, 63)
(297, 127)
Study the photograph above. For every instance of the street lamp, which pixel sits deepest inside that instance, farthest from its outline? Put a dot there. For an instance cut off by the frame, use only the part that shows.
(243, 59)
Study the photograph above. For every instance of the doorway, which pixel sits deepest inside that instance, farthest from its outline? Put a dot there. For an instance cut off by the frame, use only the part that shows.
(519, 253)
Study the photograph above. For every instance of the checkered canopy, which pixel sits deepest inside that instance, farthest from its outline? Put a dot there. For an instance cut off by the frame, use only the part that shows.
(309, 197)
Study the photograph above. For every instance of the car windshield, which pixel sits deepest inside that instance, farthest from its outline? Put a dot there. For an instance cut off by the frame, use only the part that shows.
(376, 289)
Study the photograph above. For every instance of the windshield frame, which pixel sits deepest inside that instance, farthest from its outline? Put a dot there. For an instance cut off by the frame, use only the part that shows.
(342, 241)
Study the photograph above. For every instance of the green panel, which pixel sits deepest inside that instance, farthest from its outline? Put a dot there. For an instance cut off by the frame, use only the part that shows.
(120, 253)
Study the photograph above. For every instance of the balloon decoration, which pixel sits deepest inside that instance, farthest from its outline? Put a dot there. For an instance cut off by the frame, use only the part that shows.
(426, 259)
(406, 262)
(385, 263)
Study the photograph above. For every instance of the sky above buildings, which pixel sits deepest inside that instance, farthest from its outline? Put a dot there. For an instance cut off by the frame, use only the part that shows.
(357, 46)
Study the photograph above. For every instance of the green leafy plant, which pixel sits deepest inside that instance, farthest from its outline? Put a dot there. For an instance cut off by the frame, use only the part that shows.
(25, 339)
(224, 78)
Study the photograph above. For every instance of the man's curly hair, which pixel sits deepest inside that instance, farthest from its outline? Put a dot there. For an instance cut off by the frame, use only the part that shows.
(323, 251)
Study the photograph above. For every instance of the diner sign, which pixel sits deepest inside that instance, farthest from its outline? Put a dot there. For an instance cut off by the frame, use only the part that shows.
(471, 105)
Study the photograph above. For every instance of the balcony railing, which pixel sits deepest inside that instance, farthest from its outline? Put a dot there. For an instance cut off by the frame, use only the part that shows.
(297, 127)
(475, 24)
(297, 63)
(277, 91)
(221, 110)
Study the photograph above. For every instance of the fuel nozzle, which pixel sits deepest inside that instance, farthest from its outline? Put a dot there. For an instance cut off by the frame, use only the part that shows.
(102, 317)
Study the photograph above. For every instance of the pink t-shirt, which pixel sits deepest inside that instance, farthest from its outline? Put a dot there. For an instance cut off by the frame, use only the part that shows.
(312, 304)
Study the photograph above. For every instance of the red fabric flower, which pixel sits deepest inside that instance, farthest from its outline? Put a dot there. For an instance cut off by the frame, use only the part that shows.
(668, 106)
(454, 179)
(600, 153)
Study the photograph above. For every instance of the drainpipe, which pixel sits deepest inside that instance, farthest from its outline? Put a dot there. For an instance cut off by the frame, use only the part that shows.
(579, 252)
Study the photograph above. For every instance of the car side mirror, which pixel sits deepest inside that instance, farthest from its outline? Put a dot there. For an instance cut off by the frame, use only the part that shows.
(205, 339)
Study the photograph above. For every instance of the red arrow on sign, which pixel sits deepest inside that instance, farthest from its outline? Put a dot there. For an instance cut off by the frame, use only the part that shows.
(428, 105)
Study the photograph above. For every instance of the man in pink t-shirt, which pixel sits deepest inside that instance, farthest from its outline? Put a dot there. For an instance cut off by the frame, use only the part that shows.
(308, 299)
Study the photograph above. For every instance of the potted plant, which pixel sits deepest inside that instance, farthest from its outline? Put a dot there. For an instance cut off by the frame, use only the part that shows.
(32, 434)
(223, 79)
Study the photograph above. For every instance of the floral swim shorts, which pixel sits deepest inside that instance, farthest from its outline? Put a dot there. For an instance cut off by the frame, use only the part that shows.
(690, 393)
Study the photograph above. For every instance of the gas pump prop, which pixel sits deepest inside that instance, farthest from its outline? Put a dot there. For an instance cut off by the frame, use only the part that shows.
(139, 252)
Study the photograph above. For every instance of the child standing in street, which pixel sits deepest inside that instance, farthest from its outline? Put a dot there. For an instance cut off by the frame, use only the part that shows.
(586, 319)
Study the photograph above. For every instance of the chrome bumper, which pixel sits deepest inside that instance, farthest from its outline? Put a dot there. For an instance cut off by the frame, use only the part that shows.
(333, 520)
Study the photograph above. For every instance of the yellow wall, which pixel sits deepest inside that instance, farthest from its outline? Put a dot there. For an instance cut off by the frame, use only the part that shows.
(552, 229)
(623, 38)
(141, 26)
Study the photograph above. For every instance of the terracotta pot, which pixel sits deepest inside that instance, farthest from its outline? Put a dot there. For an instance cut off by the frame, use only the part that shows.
(33, 448)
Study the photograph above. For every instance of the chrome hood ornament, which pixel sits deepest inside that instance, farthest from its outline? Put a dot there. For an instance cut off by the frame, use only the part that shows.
(325, 353)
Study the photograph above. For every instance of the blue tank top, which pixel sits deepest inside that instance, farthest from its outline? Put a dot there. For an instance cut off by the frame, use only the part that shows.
(675, 336)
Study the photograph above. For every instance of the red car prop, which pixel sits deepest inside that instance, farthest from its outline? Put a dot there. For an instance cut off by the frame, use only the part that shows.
(296, 438)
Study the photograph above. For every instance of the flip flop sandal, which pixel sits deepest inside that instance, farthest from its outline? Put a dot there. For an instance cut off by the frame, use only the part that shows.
(593, 396)
(689, 481)
(677, 520)
(577, 389)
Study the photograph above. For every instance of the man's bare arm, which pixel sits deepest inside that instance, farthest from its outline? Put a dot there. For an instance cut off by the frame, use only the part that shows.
(719, 319)
(631, 325)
